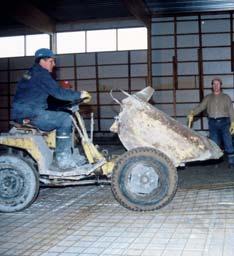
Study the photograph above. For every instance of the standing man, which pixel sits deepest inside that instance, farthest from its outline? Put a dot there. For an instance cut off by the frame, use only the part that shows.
(220, 118)
(30, 102)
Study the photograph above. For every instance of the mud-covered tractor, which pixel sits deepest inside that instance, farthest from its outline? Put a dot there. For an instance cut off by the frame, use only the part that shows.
(143, 178)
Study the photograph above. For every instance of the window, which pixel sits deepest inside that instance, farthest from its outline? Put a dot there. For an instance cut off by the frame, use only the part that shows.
(12, 46)
(101, 40)
(70, 42)
(132, 39)
(77, 42)
(35, 42)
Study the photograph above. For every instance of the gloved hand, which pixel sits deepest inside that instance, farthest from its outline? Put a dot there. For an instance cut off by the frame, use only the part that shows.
(85, 95)
(231, 129)
(190, 118)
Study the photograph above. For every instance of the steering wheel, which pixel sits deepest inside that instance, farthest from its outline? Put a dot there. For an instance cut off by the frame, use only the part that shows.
(55, 104)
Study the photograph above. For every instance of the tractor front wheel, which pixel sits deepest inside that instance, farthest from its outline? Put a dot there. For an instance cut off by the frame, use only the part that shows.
(144, 179)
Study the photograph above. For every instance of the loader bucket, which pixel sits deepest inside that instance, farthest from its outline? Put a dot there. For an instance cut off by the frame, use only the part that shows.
(140, 124)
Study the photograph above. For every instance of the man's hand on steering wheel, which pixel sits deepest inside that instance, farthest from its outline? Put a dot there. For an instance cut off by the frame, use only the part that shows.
(86, 96)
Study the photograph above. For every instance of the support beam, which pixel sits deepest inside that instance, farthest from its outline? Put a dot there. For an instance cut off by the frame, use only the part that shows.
(138, 9)
(32, 17)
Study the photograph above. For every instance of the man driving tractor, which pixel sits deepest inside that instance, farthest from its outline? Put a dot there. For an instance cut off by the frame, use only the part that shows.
(30, 102)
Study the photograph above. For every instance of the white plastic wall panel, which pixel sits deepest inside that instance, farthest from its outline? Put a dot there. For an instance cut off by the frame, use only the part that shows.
(188, 68)
(187, 41)
(138, 56)
(186, 82)
(109, 111)
(219, 53)
(187, 54)
(229, 92)
(138, 70)
(3, 76)
(105, 97)
(87, 124)
(65, 73)
(216, 39)
(15, 76)
(183, 109)
(166, 108)
(113, 58)
(187, 96)
(162, 69)
(215, 26)
(65, 60)
(85, 59)
(205, 123)
(216, 67)
(164, 28)
(86, 72)
(115, 84)
(187, 27)
(86, 85)
(3, 63)
(162, 42)
(21, 62)
(162, 55)
(162, 82)
(106, 124)
(138, 83)
(113, 71)
(163, 96)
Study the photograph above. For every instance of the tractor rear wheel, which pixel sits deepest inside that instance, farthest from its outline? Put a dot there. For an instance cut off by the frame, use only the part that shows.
(19, 183)
(144, 179)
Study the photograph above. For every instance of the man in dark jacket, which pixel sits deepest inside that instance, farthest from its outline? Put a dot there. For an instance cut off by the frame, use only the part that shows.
(30, 102)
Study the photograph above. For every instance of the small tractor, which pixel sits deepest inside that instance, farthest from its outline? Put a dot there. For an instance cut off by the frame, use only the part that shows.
(143, 178)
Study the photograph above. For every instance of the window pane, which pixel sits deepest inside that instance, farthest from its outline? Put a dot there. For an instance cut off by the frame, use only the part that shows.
(132, 39)
(35, 42)
(101, 40)
(11, 46)
(69, 42)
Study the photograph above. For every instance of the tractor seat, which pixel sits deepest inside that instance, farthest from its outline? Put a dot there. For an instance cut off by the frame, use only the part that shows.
(27, 126)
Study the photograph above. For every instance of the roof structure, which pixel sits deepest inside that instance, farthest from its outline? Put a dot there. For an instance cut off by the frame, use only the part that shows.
(43, 15)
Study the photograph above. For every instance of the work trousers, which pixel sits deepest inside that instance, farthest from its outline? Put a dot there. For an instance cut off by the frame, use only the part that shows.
(219, 133)
(49, 120)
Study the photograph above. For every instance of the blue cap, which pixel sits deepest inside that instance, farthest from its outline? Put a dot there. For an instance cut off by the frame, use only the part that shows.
(44, 53)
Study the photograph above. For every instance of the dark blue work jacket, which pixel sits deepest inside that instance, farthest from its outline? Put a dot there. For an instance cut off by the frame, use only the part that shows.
(33, 90)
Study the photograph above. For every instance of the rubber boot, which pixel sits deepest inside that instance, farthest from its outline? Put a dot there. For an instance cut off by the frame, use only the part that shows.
(78, 158)
(63, 153)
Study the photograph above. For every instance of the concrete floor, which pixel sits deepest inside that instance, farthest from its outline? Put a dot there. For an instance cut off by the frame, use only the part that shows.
(87, 220)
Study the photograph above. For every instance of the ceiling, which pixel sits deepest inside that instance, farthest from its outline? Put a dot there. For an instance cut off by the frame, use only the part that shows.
(43, 15)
